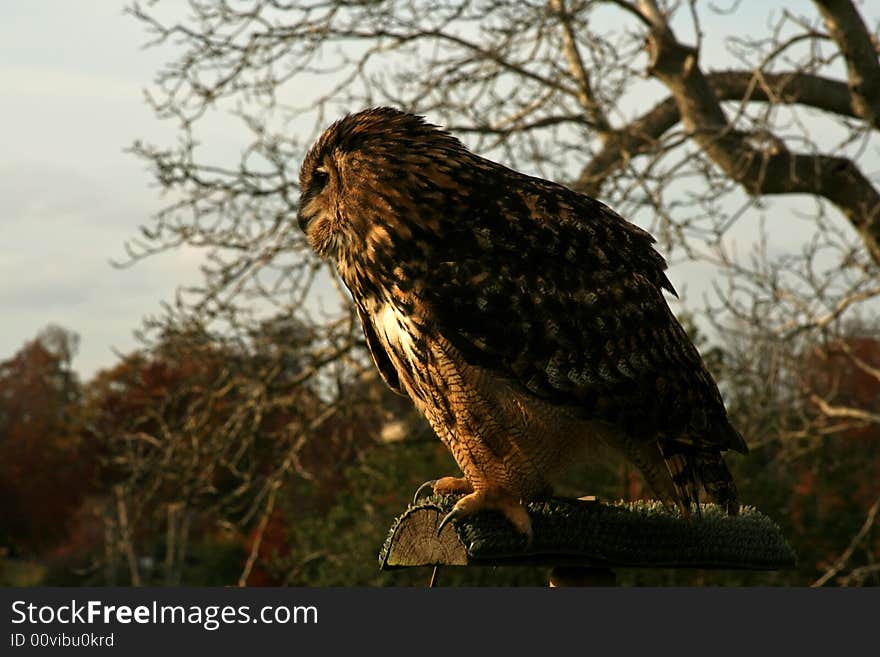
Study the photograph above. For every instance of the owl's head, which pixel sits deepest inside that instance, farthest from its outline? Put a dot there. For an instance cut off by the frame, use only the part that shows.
(371, 177)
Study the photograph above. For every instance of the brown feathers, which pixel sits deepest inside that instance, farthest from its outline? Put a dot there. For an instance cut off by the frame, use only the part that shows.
(492, 298)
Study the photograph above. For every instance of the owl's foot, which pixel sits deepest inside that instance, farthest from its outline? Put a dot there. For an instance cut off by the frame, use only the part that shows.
(445, 486)
(492, 500)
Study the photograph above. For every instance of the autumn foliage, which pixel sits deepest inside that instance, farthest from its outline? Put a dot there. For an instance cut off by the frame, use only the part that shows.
(46, 459)
(179, 465)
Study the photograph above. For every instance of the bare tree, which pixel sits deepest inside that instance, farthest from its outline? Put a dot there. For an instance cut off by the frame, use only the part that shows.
(612, 97)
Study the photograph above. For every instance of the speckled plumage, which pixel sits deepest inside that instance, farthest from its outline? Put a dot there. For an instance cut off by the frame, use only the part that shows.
(525, 320)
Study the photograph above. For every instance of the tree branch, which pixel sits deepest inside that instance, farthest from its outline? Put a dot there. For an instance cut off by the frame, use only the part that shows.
(846, 412)
(642, 134)
(585, 94)
(847, 554)
(852, 37)
(766, 170)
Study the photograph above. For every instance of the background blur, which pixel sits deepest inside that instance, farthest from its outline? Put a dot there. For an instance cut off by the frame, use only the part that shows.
(185, 396)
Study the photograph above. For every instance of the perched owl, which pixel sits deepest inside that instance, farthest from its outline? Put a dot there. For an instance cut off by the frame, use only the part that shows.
(526, 321)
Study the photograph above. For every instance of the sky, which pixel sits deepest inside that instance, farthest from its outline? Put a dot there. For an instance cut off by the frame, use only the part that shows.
(72, 83)
(72, 76)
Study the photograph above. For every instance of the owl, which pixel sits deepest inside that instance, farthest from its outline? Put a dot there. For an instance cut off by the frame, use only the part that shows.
(525, 321)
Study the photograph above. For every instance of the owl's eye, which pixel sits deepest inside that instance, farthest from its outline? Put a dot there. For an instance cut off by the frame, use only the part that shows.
(320, 177)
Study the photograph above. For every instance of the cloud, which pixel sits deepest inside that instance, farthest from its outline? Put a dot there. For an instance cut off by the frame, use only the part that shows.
(70, 196)
(60, 229)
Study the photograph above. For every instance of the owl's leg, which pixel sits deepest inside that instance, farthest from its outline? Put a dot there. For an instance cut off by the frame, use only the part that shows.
(445, 486)
(492, 500)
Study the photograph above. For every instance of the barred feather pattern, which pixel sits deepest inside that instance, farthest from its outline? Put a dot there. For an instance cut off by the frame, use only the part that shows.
(525, 320)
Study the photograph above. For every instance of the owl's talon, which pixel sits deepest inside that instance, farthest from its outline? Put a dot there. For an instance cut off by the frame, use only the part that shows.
(449, 517)
(499, 501)
(445, 486)
(428, 484)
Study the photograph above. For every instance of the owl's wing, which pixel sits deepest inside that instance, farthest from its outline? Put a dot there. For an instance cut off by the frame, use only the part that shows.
(566, 298)
(379, 356)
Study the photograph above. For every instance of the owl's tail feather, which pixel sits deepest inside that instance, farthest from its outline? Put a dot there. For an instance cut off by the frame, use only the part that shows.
(680, 463)
(717, 481)
(693, 469)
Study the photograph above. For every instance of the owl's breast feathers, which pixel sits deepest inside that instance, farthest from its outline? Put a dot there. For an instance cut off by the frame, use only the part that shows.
(543, 286)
